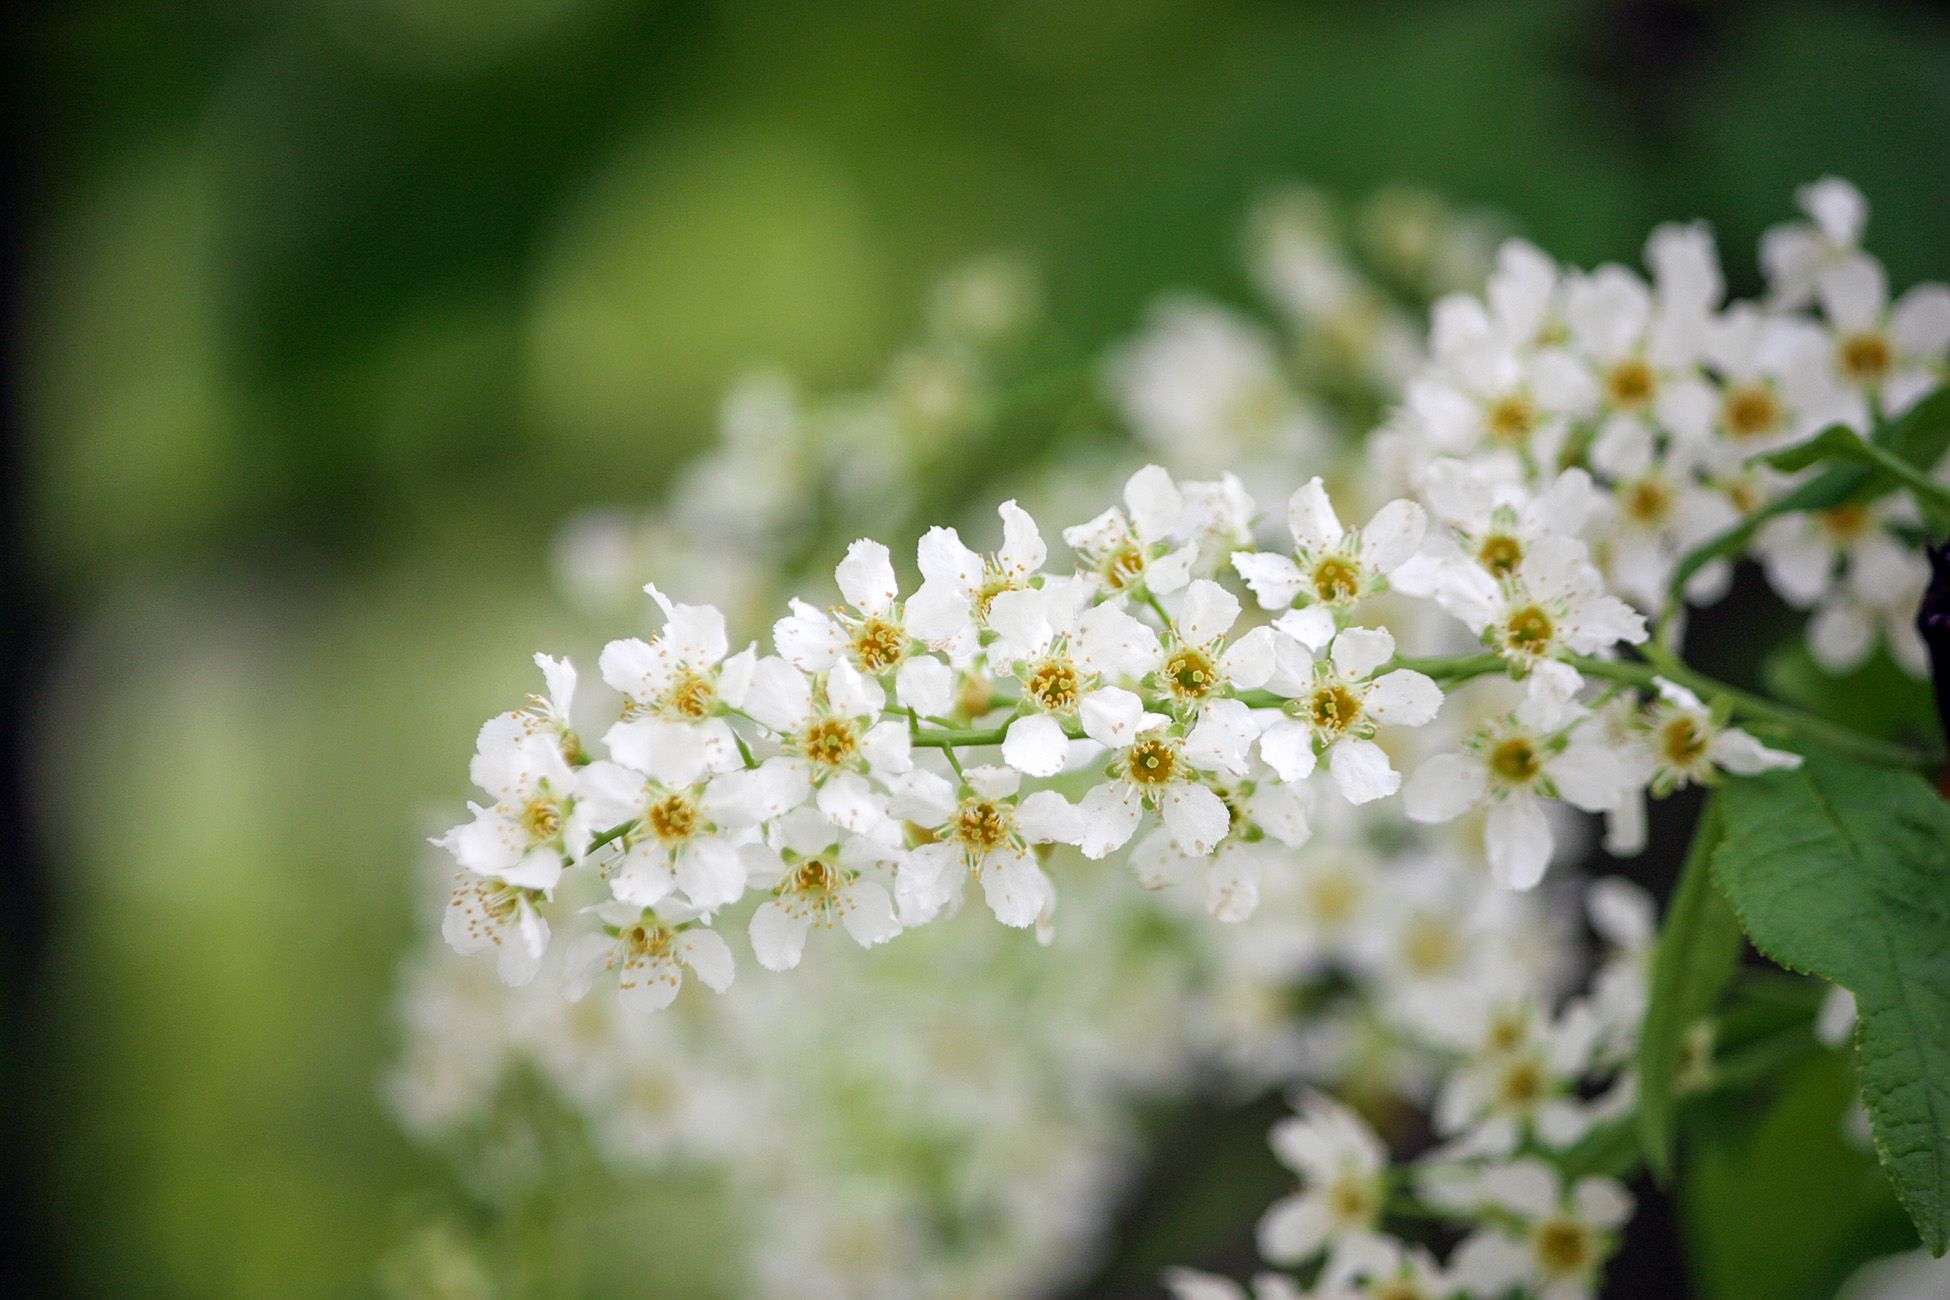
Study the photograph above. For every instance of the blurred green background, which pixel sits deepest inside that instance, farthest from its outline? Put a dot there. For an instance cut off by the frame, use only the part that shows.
(329, 313)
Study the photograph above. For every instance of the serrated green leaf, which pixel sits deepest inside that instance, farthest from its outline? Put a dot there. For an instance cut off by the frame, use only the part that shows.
(1779, 1201)
(1696, 954)
(1843, 871)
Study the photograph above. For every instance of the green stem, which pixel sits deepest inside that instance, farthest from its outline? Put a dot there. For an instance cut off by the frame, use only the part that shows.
(1806, 725)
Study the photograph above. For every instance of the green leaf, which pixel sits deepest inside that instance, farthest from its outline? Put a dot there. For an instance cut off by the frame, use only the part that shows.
(1696, 954)
(1837, 441)
(1843, 871)
(1780, 1201)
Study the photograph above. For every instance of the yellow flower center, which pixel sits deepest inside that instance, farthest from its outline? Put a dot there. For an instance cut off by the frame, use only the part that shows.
(812, 881)
(690, 696)
(982, 826)
(1648, 501)
(1190, 675)
(1054, 685)
(1529, 629)
(1867, 358)
(541, 819)
(1750, 411)
(672, 819)
(1521, 1085)
(1846, 522)
(1431, 947)
(1351, 1200)
(1515, 760)
(1151, 762)
(1500, 554)
(1683, 742)
(879, 645)
(1122, 566)
(1511, 419)
(1630, 385)
(829, 742)
(1564, 1247)
(1333, 709)
(1336, 580)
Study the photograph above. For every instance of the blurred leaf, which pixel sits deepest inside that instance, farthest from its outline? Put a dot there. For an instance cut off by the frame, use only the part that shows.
(1698, 948)
(1844, 871)
(1784, 1204)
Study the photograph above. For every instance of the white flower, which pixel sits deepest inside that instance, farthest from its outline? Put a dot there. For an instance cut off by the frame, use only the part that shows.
(674, 841)
(984, 832)
(649, 955)
(1342, 1165)
(1152, 767)
(1562, 1236)
(1795, 254)
(681, 674)
(1144, 548)
(833, 738)
(1687, 743)
(484, 914)
(1230, 874)
(1512, 766)
(1331, 566)
(1338, 709)
(1552, 606)
(522, 836)
(1204, 387)
(871, 635)
(1491, 520)
(1859, 579)
(1195, 664)
(821, 880)
(1662, 511)
(1061, 655)
(1890, 354)
(958, 585)
(1519, 1080)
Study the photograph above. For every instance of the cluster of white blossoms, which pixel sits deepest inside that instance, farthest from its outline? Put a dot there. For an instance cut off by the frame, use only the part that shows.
(1360, 746)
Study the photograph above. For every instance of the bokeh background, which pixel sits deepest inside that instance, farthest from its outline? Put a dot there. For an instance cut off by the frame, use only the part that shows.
(325, 315)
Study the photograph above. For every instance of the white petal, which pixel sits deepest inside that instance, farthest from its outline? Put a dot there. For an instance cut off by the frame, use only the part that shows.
(1444, 788)
(710, 873)
(1155, 504)
(945, 561)
(1293, 1229)
(780, 696)
(1206, 613)
(1110, 717)
(1110, 814)
(866, 578)
(808, 639)
(1853, 293)
(778, 938)
(925, 685)
(1394, 534)
(1288, 748)
(869, 914)
(1273, 579)
(1312, 627)
(706, 953)
(1590, 775)
(1046, 817)
(939, 611)
(1311, 517)
(1358, 651)
(1248, 663)
(1361, 770)
(1023, 551)
(1035, 745)
(1517, 836)
(1403, 698)
(1601, 1202)
(1196, 817)
(1016, 888)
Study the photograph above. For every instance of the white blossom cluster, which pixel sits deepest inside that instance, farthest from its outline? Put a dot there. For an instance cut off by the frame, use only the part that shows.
(1357, 746)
